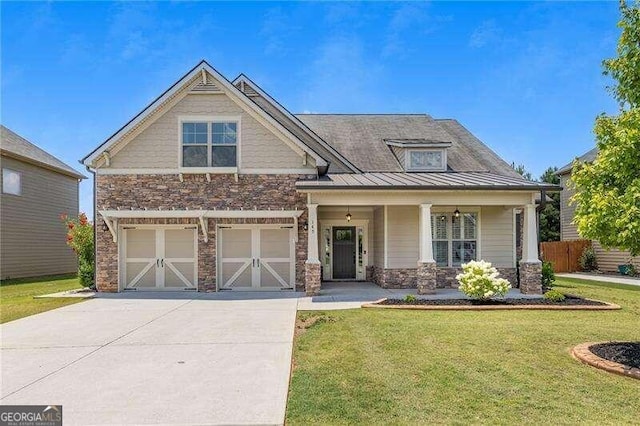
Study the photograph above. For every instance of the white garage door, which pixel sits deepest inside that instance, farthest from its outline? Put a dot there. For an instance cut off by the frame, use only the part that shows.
(256, 257)
(159, 258)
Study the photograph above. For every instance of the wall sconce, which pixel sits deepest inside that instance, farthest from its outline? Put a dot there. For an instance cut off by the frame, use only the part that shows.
(305, 226)
(348, 216)
(456, 213)
(105, 227)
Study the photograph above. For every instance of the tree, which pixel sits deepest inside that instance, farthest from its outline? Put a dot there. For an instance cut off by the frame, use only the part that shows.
(80, 239)
(550, 215)
(522, 171)
(608, 189)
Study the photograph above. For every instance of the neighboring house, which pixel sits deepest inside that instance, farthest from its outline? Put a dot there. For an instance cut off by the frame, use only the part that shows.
(36, 189)
(216, 186)
(608, 260)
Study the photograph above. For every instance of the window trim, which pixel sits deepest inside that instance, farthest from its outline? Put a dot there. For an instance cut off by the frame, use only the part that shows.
(19, 194)
(209, 119)
(450, 240)
(443, 165)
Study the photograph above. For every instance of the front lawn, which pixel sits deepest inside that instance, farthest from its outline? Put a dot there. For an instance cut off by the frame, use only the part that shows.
(507, 367)
(16, 296)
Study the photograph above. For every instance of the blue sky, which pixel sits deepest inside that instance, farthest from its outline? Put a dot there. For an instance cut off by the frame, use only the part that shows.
(523, 77)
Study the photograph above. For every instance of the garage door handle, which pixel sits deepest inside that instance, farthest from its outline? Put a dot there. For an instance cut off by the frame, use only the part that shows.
(162, 262)
(157, 263)
(258, 262)
(253, 263)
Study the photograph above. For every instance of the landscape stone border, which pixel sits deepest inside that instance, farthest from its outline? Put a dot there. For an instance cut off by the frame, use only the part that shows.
(606, 307)
(583, 353)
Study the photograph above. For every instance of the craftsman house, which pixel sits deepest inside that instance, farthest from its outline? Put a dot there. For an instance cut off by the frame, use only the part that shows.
(216, 186)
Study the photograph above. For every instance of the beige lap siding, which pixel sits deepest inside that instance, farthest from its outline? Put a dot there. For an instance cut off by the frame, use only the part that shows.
(32, 237)
(403, 237)
(608, 260)
(496, 236)
(167, 192)
(158, 146)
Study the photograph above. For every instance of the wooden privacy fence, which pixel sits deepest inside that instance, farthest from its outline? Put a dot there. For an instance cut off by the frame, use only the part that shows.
(564, 255)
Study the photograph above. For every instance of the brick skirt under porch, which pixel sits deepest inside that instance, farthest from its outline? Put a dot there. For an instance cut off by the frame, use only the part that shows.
(445, 277)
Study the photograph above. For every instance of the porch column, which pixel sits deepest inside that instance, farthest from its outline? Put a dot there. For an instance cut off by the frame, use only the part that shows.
(530, 265)
(312, 265)
(426, 273)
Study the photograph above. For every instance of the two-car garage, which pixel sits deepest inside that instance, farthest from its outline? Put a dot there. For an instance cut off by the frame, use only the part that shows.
(165, 257)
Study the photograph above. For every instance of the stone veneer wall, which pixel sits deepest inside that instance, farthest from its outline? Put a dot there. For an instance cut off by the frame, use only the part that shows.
(395, 278)
(445, 277)
(531, 277)
(166, 192)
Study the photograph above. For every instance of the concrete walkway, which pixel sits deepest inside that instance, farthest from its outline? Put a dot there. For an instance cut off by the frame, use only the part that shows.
(603, 278)
(162, 358)
(351, 295)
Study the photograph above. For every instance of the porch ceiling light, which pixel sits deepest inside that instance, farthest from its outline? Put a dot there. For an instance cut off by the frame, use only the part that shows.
(348, 216)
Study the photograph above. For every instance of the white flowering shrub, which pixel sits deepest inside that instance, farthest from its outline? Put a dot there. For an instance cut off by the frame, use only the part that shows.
(479, 280)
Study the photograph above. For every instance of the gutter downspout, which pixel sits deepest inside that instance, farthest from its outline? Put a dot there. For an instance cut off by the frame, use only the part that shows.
(95, 228)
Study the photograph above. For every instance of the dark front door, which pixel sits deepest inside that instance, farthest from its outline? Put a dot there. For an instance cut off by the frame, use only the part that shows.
(344, 252)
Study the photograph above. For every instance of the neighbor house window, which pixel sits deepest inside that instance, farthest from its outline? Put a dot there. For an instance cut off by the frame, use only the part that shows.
(209, 144)
(11, 182)
(426, 160)
(455, 239)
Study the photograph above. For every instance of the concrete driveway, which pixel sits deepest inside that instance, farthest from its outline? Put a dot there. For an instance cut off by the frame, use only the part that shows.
(161, 358)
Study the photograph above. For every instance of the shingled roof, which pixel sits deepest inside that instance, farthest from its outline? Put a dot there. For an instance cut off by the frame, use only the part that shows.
(14, 145)
(587, 157)
(362, 139)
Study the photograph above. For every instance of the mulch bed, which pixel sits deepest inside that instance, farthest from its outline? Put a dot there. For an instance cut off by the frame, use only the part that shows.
(627, 353)
(621, 358)
(569, 301)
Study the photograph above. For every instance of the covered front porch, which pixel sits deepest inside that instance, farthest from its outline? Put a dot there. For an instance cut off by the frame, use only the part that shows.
(415, 241)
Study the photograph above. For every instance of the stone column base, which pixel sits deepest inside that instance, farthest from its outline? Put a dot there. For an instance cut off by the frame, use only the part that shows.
(531, 277)
(312, 278)
(426, 278)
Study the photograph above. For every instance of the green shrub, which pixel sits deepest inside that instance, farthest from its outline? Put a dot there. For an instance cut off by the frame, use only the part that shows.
(409, 298)
(548, 276)
(588, 260)
(554, 296)
(479, 280)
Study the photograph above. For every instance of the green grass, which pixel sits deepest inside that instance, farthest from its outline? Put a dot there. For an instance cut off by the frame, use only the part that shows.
(373, 366)
(16, 296)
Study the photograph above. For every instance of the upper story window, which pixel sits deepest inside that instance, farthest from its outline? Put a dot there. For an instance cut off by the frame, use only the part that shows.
(426, 160)
(209, 144)
(11, 182)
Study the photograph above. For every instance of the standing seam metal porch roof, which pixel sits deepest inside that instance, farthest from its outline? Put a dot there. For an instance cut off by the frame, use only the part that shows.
(423, 181)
